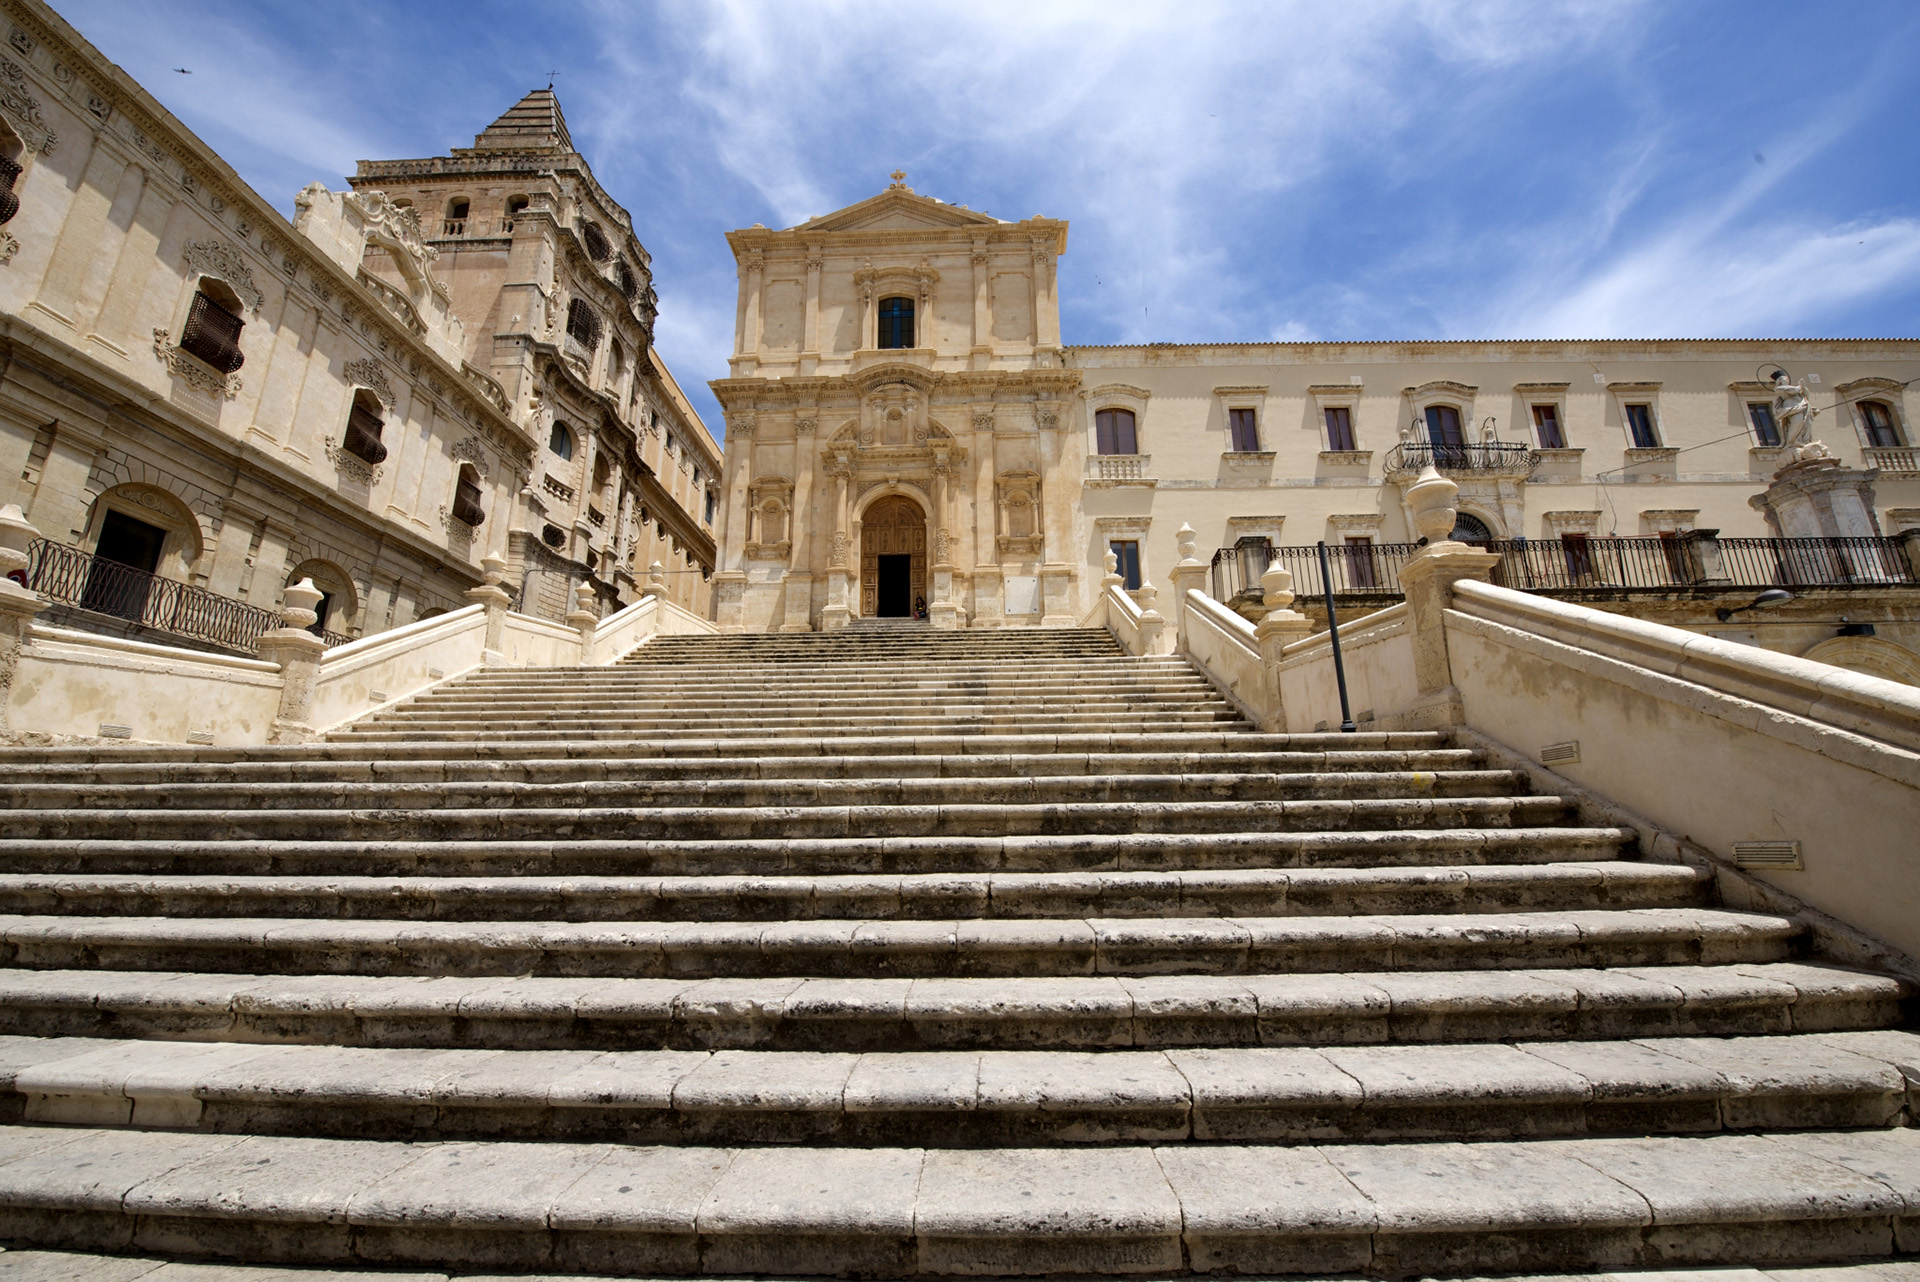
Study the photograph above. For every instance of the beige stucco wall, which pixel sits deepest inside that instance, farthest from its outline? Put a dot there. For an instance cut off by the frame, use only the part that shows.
(71, 684)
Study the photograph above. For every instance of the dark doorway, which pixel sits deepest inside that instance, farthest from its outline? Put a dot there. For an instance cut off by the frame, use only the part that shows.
(122, 571)
(896, 587)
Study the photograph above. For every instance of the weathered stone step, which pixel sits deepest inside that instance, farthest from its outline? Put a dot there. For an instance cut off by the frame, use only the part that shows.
(537, 769)
(1011, 896)
(1213, 739)
(1020, 1013)
(1121, 719)
(1124, 674)
(1171, 1209)
(737, 700)
(840, 821)
(971, 1099)
(869, 949)
(881, 791)
(809, 857)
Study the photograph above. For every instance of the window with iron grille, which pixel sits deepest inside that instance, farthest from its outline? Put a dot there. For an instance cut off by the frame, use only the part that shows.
(896, 322)
(1244, 431)
(364, 424)
(9, 202)
(213, 334)
(1126, 554)
(1114, 432)
(596, 242)
(1879, 421)
(1765, 431)
(583, 324)
(466, 499)
(1340, 428)
(1546, 426)
(623, 281)
(1640, 427)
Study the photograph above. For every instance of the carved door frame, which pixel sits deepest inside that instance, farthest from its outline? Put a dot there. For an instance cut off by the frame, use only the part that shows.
(894, 536)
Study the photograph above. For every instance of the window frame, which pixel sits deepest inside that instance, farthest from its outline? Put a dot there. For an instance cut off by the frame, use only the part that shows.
(1127, 563)
(883, 322)
(1553, 415)
(1634, 423)
(1243, 429)
(1868, 428)
(1133, 431)
(1334, 444)
(1754, 411)
(561, 432)
(365, 426)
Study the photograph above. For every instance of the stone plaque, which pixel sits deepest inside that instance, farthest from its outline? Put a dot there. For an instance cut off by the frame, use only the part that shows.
(1023, 594)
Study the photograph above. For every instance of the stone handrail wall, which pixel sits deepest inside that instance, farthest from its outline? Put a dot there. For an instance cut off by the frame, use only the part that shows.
(1872, 706)
(1223, 646)
(1377, 651)
(622, 633)
(379, 670)
(81, 685)
(539, 643)
(1137, 630)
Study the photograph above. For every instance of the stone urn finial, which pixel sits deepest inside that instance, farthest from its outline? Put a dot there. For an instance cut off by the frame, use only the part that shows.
(296, 610)
(1432, 499)
(1112, 577)
(656, 584)
(1184, 540)
(1276, 586)
(494, 567)
(16, 536)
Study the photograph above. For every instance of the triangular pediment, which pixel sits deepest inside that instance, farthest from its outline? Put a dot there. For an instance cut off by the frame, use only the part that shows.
(898, 209)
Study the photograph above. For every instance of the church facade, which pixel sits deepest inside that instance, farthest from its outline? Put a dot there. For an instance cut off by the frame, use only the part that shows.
(907, 433)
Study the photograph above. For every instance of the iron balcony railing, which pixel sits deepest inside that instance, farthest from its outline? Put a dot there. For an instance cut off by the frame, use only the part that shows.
(1597, 565)
(1411, 456)
(72, 577)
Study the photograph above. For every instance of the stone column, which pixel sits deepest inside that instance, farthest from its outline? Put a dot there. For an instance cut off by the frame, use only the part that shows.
(941, 610)
(1056, 572)
(1428, 580)
(1046, 307)
(18, 605)
(730, 580)
(799, 609)
(1282, 626)
(1704, 556)
(298, 652)
(982, 346)
(837, 614)
(1189, 573)
(751, 321)
(810, 338)
(496, 599)
(58, 504)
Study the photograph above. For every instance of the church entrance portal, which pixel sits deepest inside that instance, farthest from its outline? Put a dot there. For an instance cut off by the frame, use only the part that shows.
(893, 559)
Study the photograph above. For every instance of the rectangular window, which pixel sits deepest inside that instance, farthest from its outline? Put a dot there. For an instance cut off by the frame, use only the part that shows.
(1640, 427)
(1246, 433)
(1879, 420)
(1765, 431)
(1546, 426)
(1360, 568)
(1340, 428)
(1127, 555)
(1676, 556)
(1579, 555)
(1115, 432)
(1443, 425)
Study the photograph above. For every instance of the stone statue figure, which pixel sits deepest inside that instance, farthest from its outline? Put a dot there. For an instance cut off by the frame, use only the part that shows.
(1489, 433)
(1794, 412)
(1407, 433)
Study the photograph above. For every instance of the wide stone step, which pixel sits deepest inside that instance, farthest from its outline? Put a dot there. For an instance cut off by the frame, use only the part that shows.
(971, 1099)
(870, 949)
(1020, 1013)
(1211, 740)
(895, 1212)
(811, 857)
(839, 821)
(554, 769)
(400, 729)
(739, 701)
(925, 897)
(747, 713)
(880, 791)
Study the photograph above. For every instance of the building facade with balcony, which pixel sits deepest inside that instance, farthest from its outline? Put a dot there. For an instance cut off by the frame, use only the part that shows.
(1024, 461)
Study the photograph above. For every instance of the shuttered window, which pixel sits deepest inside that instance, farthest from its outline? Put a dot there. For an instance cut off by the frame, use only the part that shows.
(1113, 430)
(213, 334)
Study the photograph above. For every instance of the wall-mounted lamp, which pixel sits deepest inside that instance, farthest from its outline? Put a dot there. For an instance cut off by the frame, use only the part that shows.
(1765, 601)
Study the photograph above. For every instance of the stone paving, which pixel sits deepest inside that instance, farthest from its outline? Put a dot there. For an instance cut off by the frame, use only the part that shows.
(898, 953)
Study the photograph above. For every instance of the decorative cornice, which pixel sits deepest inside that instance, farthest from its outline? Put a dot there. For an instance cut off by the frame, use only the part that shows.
(24, 107)
(217, 258)
(366, 372)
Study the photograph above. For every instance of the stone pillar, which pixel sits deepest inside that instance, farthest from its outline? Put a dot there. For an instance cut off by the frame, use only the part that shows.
(1187, 574)
(1911, 539)
(941, 610)
(656, 584)
(1428, 580)
(1704, 556)
(1819, 498)
(298, 653)
(810, 338)
(837, 613)
(750, 326)
(1282, 626)
(730, 580)
(1153, 625)
(18, 605)
(58, 504)
(981, 355)
(799, 606)
(584, 618)
(495, 598)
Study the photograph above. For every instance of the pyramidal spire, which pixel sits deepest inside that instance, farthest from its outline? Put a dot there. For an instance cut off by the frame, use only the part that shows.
(534, 121)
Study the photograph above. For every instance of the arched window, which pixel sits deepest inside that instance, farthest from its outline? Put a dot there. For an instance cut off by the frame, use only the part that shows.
(516, 205)
(602, 474)
(1470, 529)
(560, 442)
(596, 242)
(456, 220)
(1878, 418)
(623, 281)
(1114, 432)
(466, 497)
(583, 324)
(10, 152)
(213, 326)
(364, 422)
(896, 322)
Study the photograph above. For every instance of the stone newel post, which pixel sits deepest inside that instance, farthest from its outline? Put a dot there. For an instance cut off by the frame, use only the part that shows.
(17, 604)
(494, 597)
(656, 584)
(1153, 624)
(298, 652)
(1428, 580)
(1282, 626)
(1188, 574)
(584, 617)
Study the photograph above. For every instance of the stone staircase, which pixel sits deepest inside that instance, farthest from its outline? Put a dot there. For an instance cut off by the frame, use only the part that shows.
(900, 952)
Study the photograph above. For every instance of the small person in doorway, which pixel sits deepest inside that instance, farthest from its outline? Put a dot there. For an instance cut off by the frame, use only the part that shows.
(919, 607)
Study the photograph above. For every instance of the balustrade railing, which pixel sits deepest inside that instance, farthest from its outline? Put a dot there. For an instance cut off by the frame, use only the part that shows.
(1411, 456)
(71, 577)
(1578, 565)
(1894, 458)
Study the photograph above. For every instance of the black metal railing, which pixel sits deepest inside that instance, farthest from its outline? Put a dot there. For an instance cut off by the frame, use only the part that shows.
(72, 577)
(1411, 456)
(1576, 565)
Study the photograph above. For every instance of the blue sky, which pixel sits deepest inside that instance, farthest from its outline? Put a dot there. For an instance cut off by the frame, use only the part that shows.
(1356, 169)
